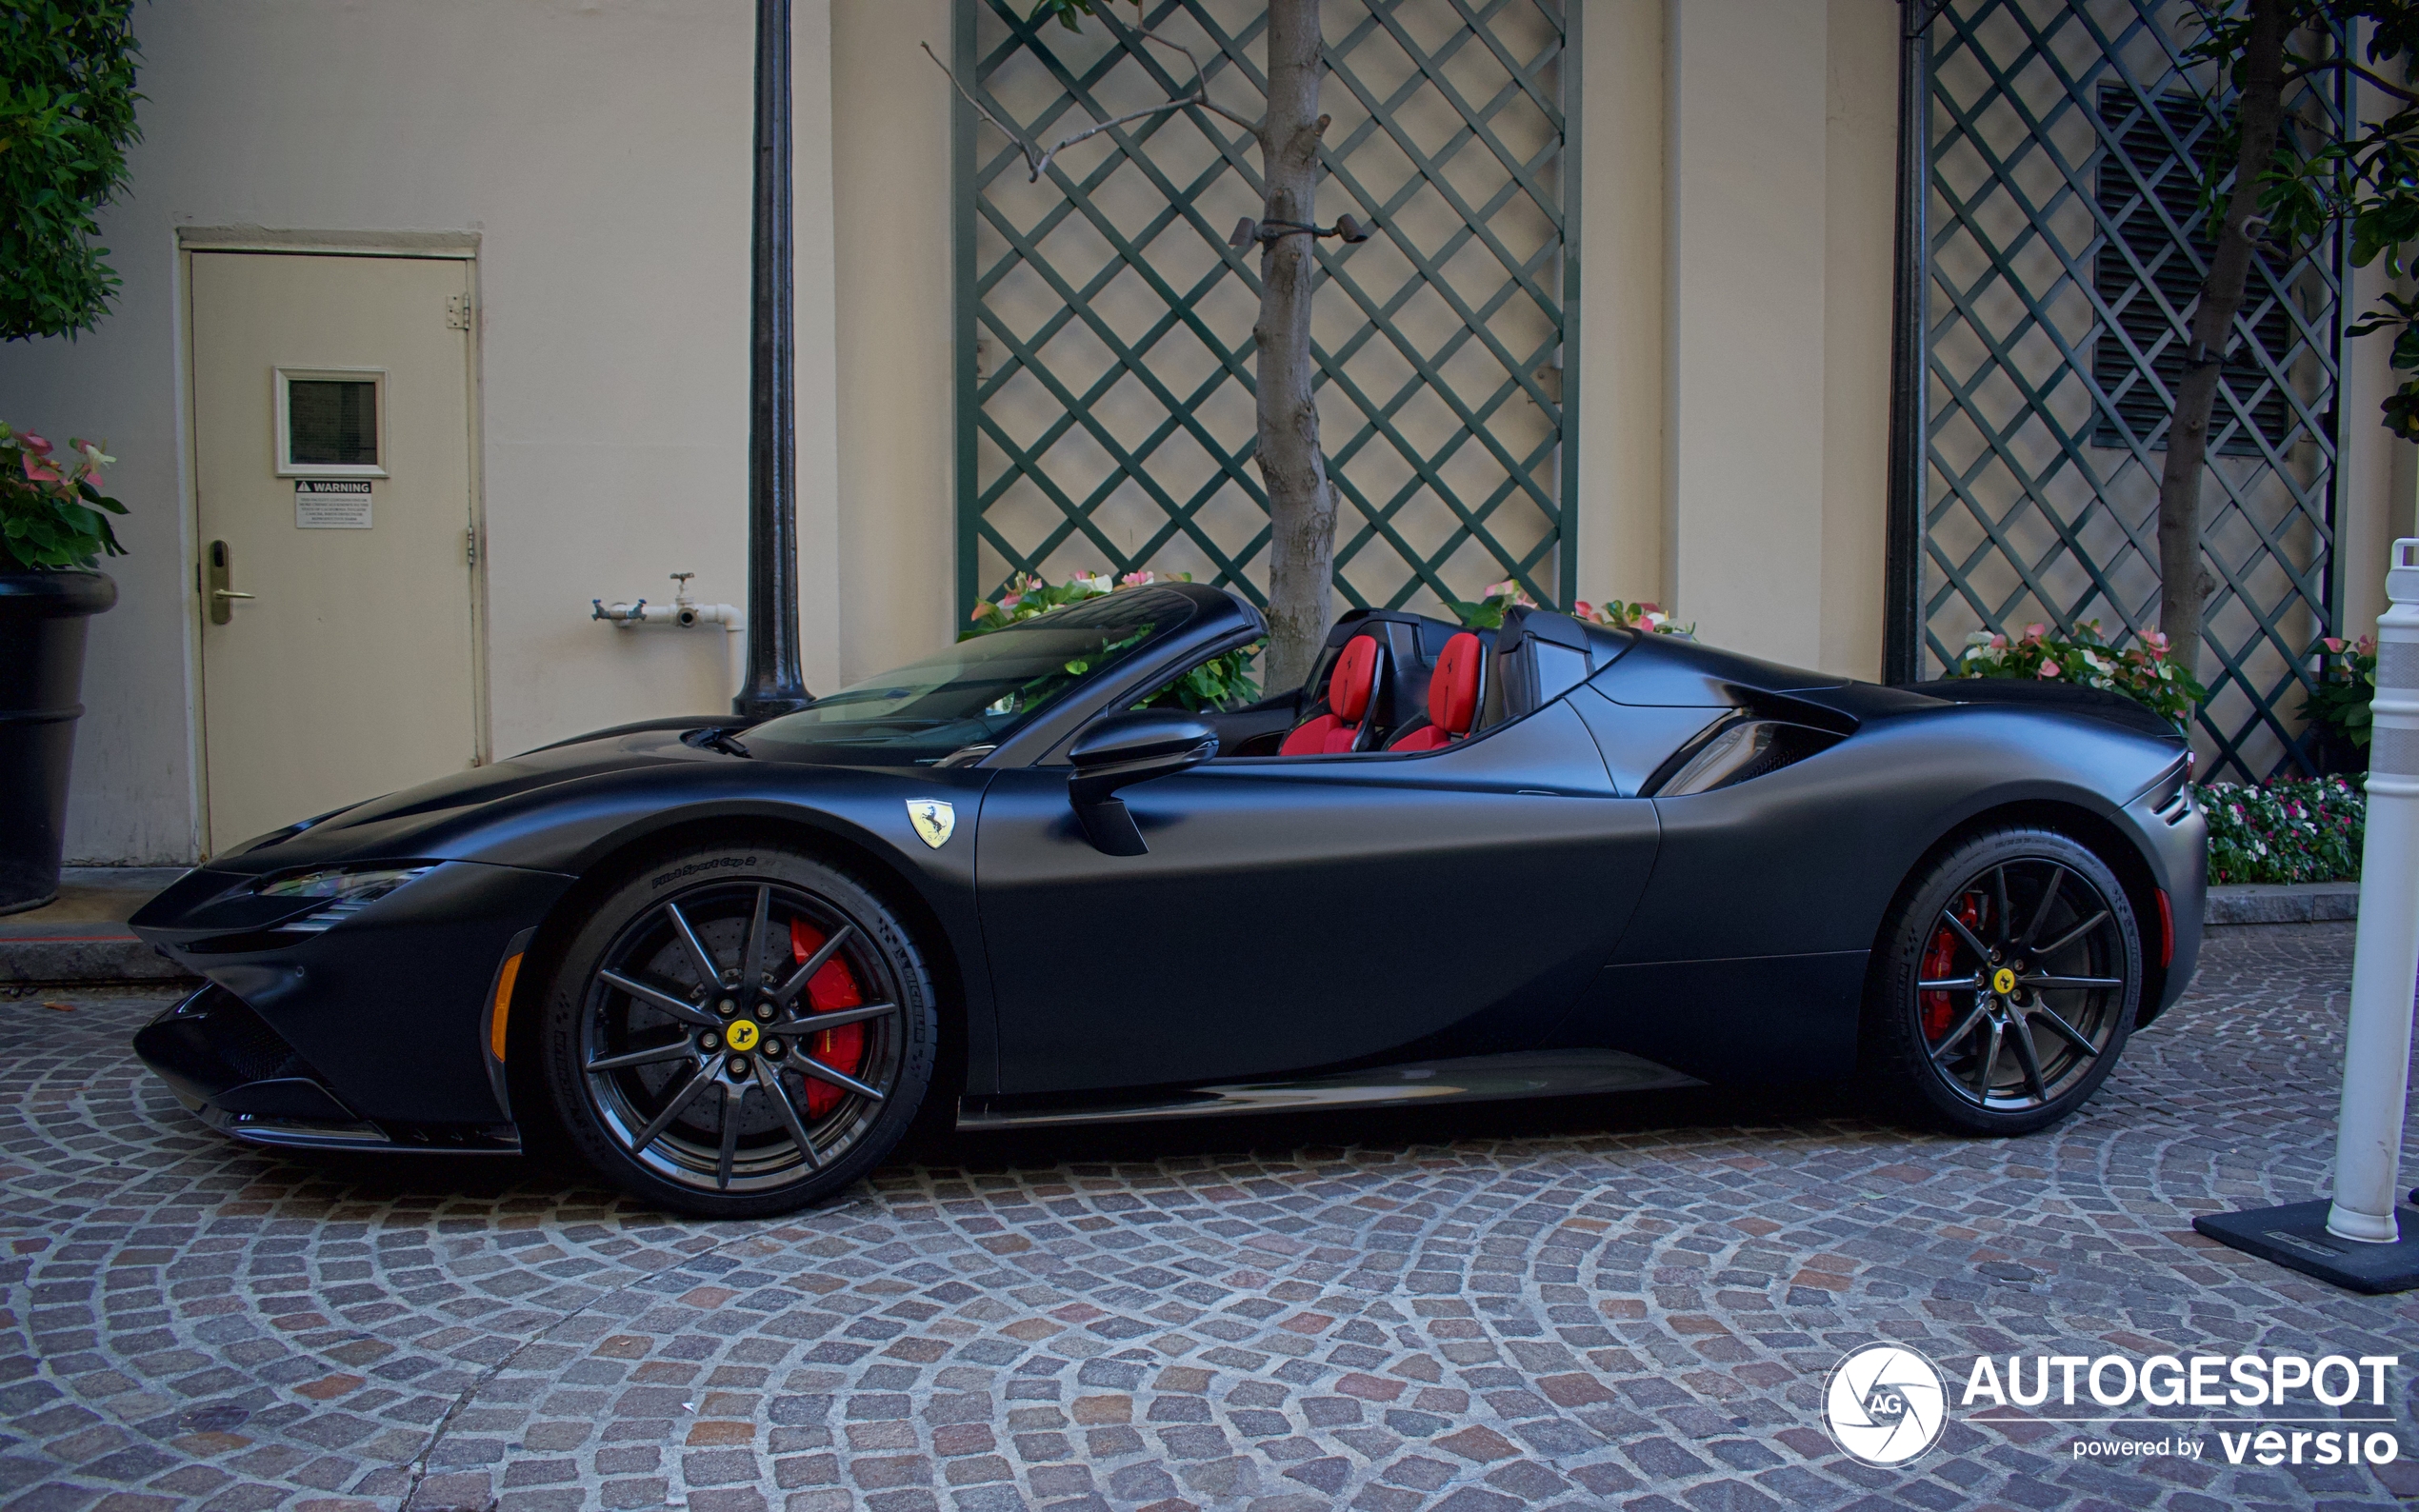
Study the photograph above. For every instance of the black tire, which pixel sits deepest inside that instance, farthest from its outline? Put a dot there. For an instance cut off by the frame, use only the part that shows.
(2033, 961)
(688, 1116)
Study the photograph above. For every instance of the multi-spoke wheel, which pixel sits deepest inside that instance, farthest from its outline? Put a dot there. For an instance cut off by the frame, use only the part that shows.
(2010, 976)
(739, 1031)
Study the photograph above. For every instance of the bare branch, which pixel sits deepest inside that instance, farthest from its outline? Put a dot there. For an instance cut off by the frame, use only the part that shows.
(1037, 159)
(2329, 65)
(1033, 159)
(1200, 77)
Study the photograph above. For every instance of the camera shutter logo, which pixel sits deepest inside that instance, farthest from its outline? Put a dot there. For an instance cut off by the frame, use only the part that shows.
(1885, 1404)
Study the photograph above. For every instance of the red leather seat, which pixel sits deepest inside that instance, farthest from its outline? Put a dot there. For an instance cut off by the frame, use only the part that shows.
(1453, 698)
(1340, 723)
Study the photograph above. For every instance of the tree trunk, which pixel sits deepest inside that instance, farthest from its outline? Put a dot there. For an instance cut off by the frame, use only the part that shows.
(1301, 500)
(2183, 583)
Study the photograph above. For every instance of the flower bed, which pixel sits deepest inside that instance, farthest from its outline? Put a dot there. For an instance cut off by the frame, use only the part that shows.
(2082, 656)
(1488, 614)
(2285, 830)
(1221, 683)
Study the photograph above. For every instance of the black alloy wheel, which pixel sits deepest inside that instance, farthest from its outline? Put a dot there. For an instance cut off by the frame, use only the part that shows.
(2009, 979)
(738, 1031)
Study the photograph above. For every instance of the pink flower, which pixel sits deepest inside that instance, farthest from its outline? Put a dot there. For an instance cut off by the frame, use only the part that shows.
(1587, 611)
(1134, 580)
(2334, 642)
(32, 441)
(39, 471)
(1998, 642)
(2049, 669)
(2035, 632)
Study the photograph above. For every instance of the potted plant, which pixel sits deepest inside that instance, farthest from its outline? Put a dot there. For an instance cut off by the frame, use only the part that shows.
(2337, 707)
(54, 526)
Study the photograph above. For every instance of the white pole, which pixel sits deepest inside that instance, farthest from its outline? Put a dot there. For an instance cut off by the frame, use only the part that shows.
(2385, 953)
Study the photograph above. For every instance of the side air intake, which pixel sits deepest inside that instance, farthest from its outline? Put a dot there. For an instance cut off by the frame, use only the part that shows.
(1738, 750)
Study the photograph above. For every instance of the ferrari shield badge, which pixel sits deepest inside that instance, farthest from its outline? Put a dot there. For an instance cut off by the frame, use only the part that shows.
(933, 820)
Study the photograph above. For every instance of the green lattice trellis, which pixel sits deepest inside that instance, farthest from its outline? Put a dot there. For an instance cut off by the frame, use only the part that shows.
(1104, 325)
(2062, 258)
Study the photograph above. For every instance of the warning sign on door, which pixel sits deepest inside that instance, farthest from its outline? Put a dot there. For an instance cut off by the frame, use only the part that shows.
(322, 504)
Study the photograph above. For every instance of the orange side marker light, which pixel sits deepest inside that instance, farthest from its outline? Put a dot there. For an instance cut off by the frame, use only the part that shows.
(504, 980)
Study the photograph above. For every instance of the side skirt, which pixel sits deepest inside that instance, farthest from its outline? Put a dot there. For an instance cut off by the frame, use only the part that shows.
(1472, 1078)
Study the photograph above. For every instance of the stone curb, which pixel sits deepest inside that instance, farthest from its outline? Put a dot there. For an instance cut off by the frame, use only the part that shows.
(2282, 902)
(91, 956)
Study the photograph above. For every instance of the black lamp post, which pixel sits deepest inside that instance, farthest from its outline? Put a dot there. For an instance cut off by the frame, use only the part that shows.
(774, 685)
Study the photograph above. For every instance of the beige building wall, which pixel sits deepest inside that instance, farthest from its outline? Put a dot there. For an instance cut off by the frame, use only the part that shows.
(1619, 419)
(890, 176)
(1860, 160)
(1747, 102)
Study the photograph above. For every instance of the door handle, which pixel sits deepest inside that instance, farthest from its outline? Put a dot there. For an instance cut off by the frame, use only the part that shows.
(219, 566)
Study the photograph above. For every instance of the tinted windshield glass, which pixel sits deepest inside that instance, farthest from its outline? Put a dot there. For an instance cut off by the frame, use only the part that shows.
(977, 692)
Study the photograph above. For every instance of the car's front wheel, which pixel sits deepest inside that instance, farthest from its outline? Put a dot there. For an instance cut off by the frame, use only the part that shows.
(2009, 977)
(738, 1030)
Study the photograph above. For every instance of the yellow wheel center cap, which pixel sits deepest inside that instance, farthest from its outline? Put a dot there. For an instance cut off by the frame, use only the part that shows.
(2002, 982)
(742, 1034)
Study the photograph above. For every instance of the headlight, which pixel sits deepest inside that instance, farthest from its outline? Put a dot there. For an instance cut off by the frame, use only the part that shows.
(349, 889)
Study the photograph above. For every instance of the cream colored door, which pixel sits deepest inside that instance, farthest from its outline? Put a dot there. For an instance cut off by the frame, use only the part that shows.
(332, 409)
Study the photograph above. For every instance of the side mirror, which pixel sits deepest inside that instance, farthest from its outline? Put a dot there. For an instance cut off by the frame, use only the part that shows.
(1126, 748)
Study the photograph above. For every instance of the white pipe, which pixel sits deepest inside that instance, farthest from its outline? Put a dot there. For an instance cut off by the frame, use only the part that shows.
(2385, 951)
(684, 615)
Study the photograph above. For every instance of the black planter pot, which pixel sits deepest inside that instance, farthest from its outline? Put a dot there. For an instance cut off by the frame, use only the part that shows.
(42, 617)
(2336, 756)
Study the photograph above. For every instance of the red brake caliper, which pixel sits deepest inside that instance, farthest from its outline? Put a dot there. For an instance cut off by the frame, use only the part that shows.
(1942, 955)
(832, 987)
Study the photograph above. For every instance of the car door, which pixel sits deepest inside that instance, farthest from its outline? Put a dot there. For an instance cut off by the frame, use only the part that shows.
(1299, 913)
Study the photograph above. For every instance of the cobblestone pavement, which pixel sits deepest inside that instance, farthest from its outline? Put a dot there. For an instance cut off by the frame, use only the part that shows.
(1610, 1304)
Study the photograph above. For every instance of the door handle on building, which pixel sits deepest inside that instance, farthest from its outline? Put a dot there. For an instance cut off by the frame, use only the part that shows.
(219, 566)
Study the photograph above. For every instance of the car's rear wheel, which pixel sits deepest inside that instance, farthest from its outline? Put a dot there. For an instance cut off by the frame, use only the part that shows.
(2010, 975)
(737, 1031)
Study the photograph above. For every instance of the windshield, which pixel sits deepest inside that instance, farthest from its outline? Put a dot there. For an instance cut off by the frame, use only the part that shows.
(979, 692)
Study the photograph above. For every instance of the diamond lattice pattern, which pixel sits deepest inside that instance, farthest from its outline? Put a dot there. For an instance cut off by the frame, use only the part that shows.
(1114, 406)
(2065, 258)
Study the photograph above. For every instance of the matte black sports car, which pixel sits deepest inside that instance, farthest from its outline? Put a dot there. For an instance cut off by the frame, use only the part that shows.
(1018, 882)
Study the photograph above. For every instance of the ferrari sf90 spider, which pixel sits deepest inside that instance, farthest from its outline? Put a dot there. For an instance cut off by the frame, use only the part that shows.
(1022, 882)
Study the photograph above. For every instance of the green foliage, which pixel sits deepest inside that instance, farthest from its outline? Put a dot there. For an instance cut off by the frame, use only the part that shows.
(2347, 683)
(67, 113)
(1221, 683)
(1488, 614)
(51, 511)
(2082, 656)
(2368, 180)
(2285, 830)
